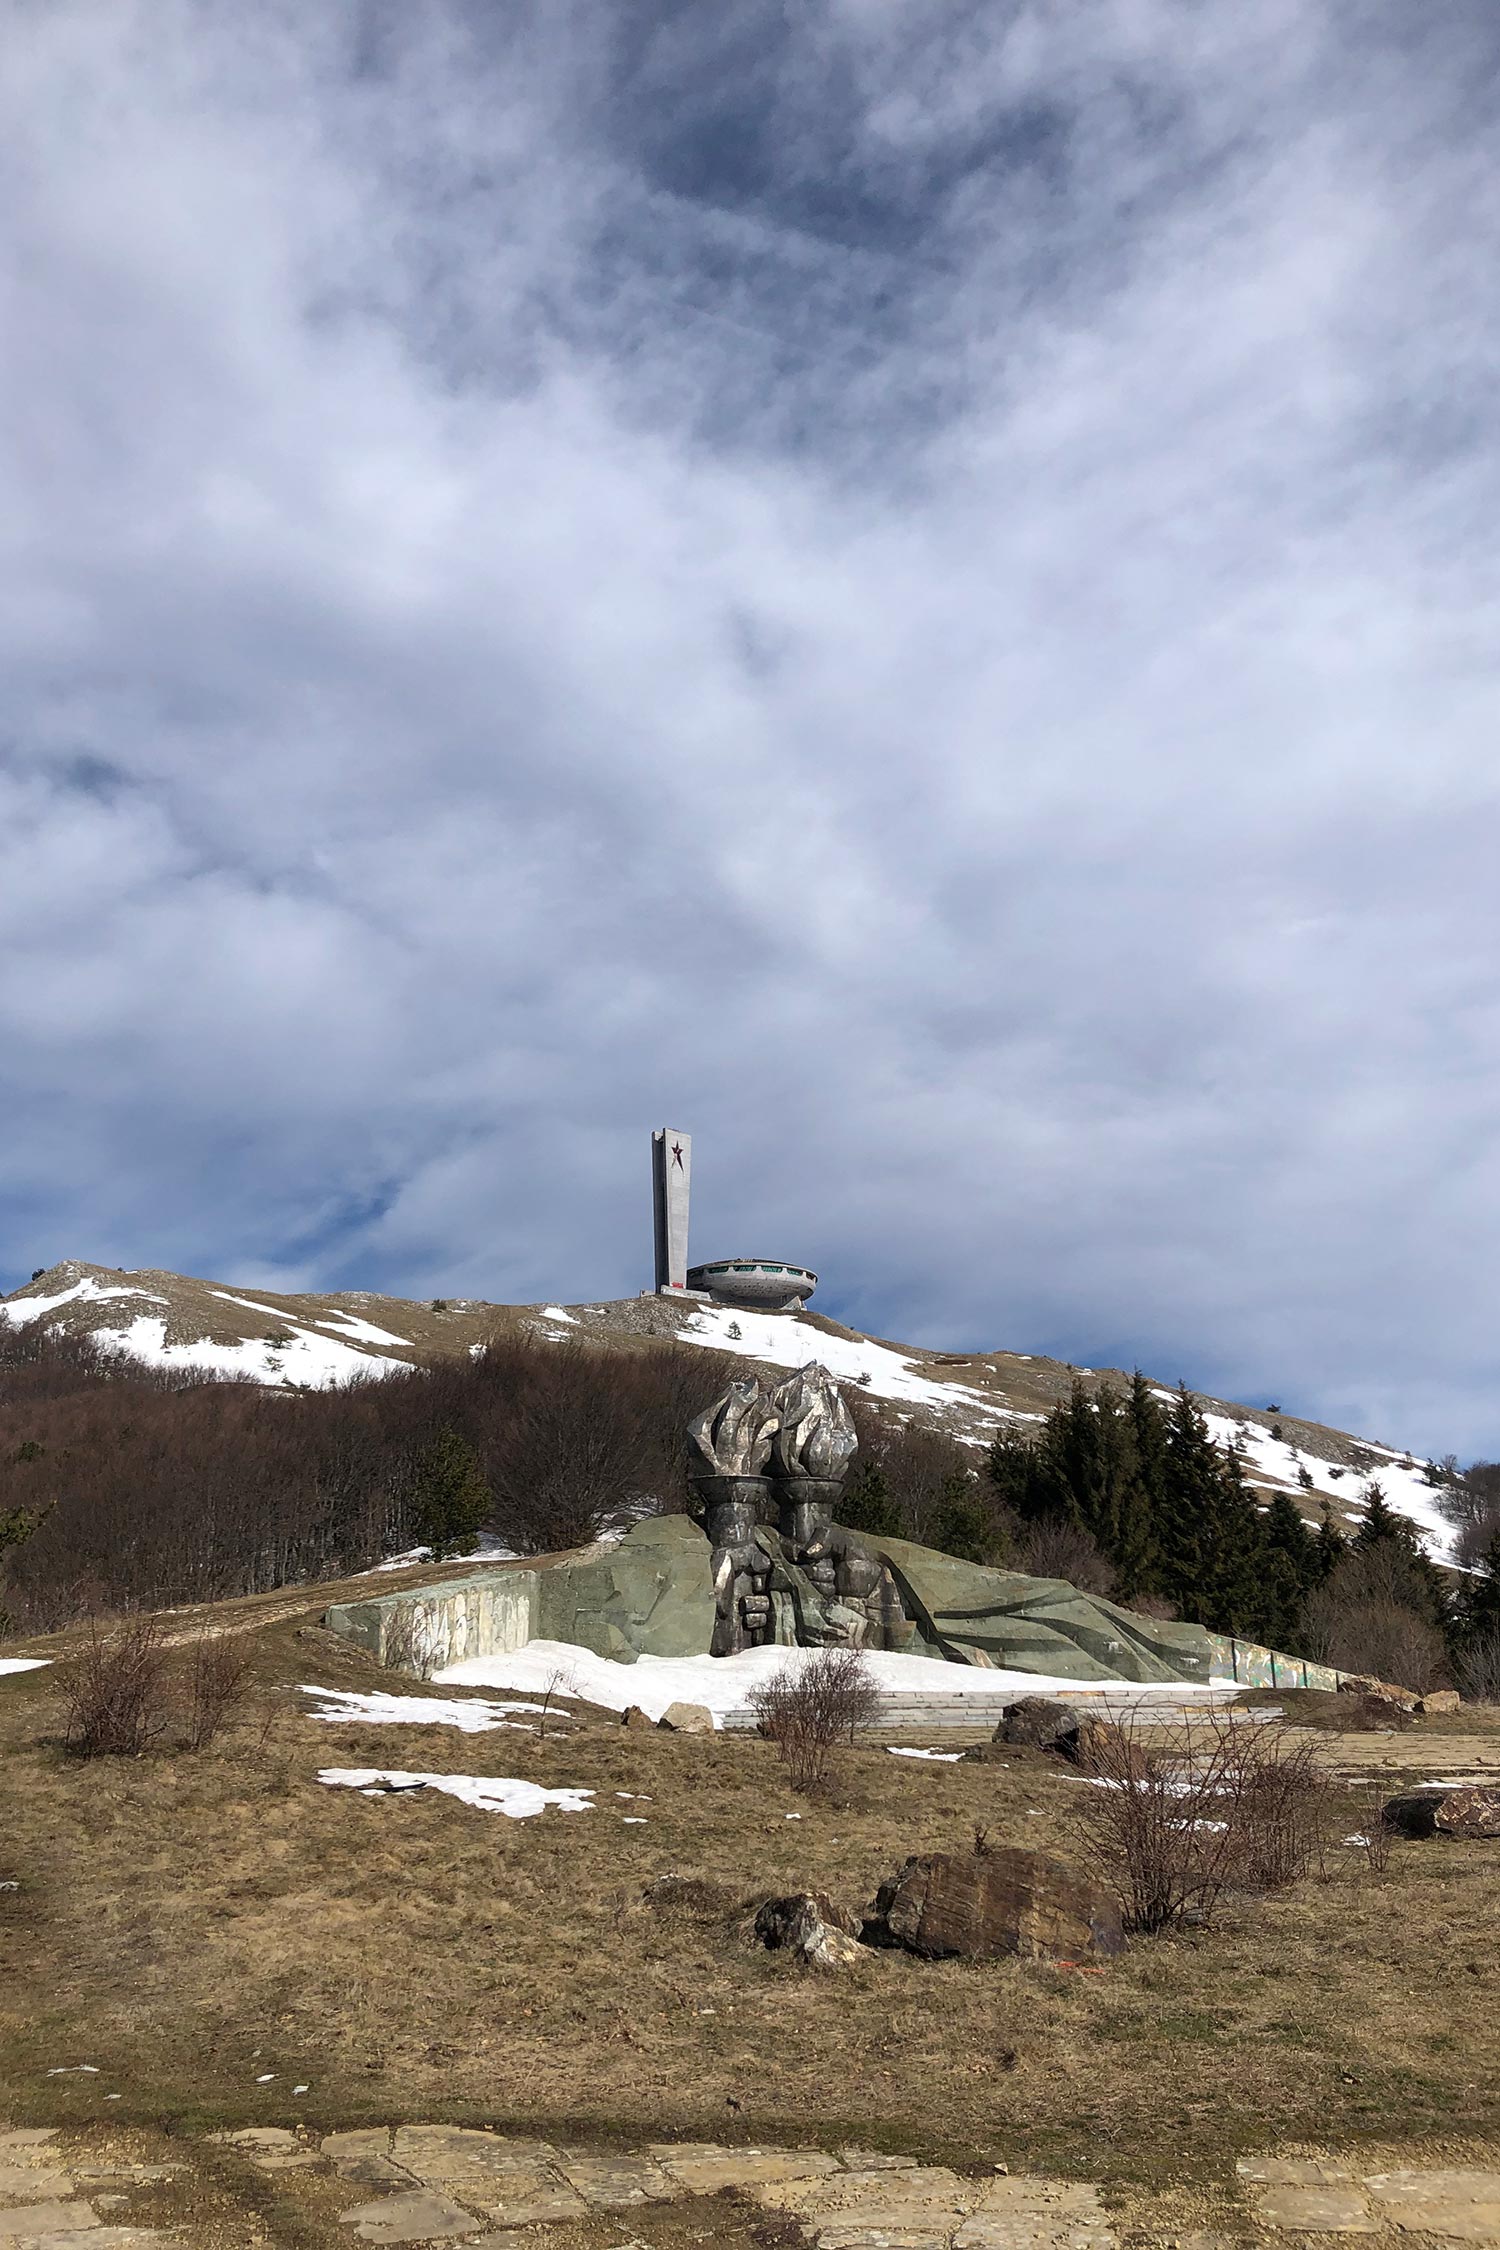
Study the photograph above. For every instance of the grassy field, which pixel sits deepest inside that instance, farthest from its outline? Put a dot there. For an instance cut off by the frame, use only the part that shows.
(190, 1923)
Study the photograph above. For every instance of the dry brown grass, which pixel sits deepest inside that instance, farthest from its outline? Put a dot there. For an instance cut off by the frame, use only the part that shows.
(191, 1922)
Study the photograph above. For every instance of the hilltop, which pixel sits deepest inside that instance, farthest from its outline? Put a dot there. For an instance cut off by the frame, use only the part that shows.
(312, 1342)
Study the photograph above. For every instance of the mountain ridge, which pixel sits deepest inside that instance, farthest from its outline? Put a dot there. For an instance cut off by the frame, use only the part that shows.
(309, 1340)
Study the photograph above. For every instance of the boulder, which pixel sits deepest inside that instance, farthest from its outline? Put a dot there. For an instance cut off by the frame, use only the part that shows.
(979, 1905)
(1467, 1815)
(1037, 1721)
(687, 1718)
(1098, 1746)
(635, 1717)
(1399, 1698)
(1438, 1701)
(821, 1933)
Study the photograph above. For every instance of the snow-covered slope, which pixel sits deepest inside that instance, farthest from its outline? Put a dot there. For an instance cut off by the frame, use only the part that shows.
(310, 1342)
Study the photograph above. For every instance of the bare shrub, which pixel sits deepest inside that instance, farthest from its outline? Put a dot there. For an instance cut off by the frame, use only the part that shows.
(406, 1645)
(808, 1711)
(115, 1695)
(1055, 1548)
(1478, 1670)
(1373, 1615)
(1224, 1805)
(217, 1682)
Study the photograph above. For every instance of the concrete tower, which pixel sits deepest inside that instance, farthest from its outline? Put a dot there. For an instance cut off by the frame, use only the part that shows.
(671, 1177)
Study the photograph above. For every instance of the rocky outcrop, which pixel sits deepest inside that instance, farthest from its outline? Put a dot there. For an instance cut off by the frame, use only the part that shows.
(1037, 1722)
(810, 1924)
(981, 1905)
(687, 1718)
(1467, 1815)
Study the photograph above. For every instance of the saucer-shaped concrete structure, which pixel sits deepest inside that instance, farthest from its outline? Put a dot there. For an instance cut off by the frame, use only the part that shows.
(758, 1284)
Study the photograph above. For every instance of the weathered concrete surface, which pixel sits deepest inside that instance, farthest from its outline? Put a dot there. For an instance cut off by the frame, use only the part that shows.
(417, 2215)
(483, 1613)
(652, 1595)
(1461, 2206)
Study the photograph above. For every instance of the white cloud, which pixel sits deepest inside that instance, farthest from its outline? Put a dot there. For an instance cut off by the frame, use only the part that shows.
(912, 593)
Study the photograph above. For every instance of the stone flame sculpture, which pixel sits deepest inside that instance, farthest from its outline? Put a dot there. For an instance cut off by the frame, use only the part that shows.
(783, 1570)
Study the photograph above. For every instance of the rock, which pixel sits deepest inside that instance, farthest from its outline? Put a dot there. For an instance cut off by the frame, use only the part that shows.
(704, 2168)
(1438, 1701)
(1467, 1815)
(1037, 1721)
(1461, 2206)
(417, 2216)
(1399, 1698)
(820, 1933)
(364, 2154)
(29, 2219)
(1098, 1746)
(1316, 2210)
(634, 1716)
(982, 1904)
(687, 1718)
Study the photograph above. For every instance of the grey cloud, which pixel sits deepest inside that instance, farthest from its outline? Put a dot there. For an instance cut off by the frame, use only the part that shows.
(911, 592)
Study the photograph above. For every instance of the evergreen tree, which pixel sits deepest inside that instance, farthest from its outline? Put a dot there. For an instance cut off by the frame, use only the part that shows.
(1481, 1599)
(450, 1501)
(867, 1504)
(963, 1526)
(1185, 1521)
(1237, 1596)
(1383, 1528)
(1022, 1478)
(1291, 1567)
(1332, 1545)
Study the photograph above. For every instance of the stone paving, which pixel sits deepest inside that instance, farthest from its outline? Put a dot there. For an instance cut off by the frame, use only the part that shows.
(450, 2184)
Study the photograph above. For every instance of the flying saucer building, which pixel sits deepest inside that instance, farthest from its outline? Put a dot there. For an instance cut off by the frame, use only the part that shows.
(756, 1284)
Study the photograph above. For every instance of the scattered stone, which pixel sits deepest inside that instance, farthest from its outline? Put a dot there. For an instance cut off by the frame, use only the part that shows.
(980, 1905)
(20, 2183)
(617, 2183)
(1315, 2210)
(821, 1933)
(28, 2219)
(1037, 1721)
(365, 2156)
(416, 2216)
(1468, 1815)
(517, 2182)
(634, 1716)
(1030, 2214)
(703, 2167)
(20, 2137)
(1462, 2206)
(1292, 2171)
(1439, 1701)
(272, 2147)
(687, 1718)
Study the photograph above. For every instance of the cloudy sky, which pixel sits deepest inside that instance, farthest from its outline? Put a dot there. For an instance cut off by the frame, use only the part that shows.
(909, 587)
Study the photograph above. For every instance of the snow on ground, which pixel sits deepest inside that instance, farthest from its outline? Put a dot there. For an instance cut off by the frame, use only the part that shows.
(555, 1312)
(724, 1683)
(943, 1757)
(19, 1311)
(785, 1341)
(343, 1707)
(361, 1331)
(308, 1362)
(518, 1800)
(1406, 1489)
(487, 1548)
(23, 1663)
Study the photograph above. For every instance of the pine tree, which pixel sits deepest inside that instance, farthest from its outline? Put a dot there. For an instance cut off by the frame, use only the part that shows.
(963, 1526)
(450, 1501)
(1185, 1520)
(1332, 1545)
(867, 1504)
(1237, 1594)
(1291, 1567)
(1382, 1527)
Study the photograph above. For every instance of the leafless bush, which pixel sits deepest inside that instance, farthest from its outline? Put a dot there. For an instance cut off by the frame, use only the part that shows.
(406, 1647)
(808, 1711)
(217, 1681)
(115, 1695)
(1373, 1615)
(1222, 1806)
(1055, 1548)
(1478, 1670)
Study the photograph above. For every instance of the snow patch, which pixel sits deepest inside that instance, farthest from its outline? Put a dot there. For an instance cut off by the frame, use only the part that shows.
(785, 1341)
(361, 1331)
(517, 1800)
(724, 1684)
(308, 1362)
(23, 1663)
(344, 1707)
(942, 1757)
(20, 1311)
